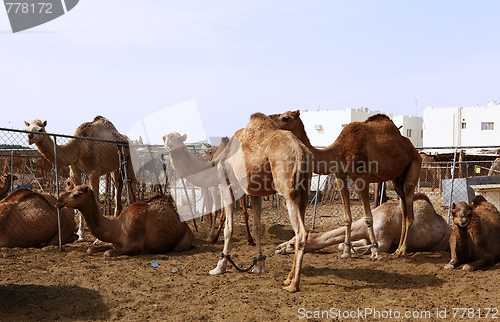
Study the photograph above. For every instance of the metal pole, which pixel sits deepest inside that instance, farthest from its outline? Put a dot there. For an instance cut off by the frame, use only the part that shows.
(125, 175)
(57, 193)
(452, 183)
(316, 202)
(11, 169)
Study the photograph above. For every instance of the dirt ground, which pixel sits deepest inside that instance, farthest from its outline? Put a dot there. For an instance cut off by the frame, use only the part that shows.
(47, 284)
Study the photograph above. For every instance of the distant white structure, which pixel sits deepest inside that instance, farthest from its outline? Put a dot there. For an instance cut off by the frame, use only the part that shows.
(323, 127)
(462, 126)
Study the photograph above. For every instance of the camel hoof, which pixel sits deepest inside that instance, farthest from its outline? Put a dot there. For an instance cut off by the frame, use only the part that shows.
(291, 289)
(217, 271)
(449, 266)
(259, 269)
(468, 268)
(376, 257)
(287, 282)
(81, 239)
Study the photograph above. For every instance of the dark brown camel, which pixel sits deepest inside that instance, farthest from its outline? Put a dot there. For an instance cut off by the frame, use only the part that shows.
(366, 152)
(475, 240)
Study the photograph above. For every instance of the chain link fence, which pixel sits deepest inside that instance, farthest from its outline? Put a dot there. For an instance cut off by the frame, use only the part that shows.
(447, 175)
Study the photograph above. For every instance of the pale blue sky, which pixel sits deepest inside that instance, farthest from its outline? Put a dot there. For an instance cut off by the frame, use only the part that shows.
(127, 59)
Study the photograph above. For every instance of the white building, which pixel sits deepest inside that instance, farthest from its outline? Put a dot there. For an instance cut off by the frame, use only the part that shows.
(323, 127)
(462, 126)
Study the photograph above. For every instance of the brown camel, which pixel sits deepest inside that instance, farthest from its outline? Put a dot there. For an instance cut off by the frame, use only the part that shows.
(475, 240)
(213, 235)
(29, 219)
(369, 151)
(429, 231)
(151, 226)
(495, 168)
(94, 158)
(6, 180)
(259, 160)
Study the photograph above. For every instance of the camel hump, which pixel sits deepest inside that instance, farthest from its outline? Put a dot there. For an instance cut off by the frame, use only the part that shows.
(263, 120)
(477, 201)
(421, 196)
(377, 118)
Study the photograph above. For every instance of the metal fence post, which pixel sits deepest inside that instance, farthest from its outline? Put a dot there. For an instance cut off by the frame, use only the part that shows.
(57, 193)
(452, 183)
(316, 202)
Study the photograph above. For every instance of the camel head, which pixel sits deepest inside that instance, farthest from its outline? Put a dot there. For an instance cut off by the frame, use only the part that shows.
(35, 126)
(287, 120)
(462, 213)
(174, 141)
(76, 198)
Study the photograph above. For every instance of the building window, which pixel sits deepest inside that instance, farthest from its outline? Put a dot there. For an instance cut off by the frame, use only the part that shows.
(485, 126)
(422, 134)
(464, 125)
(408, 133)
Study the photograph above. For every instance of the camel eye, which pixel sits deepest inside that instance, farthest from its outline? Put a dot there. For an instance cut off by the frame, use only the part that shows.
(285, 118)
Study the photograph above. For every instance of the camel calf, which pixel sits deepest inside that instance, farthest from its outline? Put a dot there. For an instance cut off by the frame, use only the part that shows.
(475, 241)
(29, 219)
(429, 231)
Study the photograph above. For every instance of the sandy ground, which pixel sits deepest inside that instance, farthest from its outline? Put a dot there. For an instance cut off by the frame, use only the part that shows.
(48, 284)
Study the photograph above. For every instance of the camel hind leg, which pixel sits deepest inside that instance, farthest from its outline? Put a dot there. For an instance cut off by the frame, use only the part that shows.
(260, 266)
(346, 203)
(405, 188)
(365, 198)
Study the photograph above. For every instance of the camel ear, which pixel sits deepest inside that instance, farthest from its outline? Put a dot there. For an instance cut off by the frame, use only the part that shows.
(164, 138)
(184, 137)
(452, 205)
(26, 123)
(297, 113)
(44, 123)
(85, 188)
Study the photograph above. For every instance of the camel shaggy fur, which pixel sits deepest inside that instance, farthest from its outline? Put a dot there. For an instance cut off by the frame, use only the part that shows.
(429, 231)
(29, 219)
(151, 226)
(475, 240)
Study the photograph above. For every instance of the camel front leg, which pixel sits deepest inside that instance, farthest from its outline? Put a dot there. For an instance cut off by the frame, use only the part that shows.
(260, 266)
(296, 213)
(244, 212)
(228, 200)
(118, 183)
(365, 198)
(99, 248)
(346, 203)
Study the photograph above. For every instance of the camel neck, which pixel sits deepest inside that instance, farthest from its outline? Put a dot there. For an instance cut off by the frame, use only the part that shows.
(103, 228)
(325, 161)
(200, 174)
(65, 155)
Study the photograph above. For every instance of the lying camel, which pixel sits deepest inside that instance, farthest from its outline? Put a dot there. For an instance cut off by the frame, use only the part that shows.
(152, 226)
(429, 231)
(29, 219)
(475, 240)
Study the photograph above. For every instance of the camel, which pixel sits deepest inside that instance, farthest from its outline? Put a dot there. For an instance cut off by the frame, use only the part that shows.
(94, 158)
(29, 219)
(213, 235)
(429, 231)
(152, 226)
(259, 160)
(495, 168)
(475, 240)
(6, 180)
(366, 152)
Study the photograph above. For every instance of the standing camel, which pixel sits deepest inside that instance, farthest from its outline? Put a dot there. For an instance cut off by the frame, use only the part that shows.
(369, 151)
(94, 158)
(259, 160)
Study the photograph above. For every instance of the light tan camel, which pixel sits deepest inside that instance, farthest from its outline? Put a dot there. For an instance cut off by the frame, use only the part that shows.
(151, 226)
(429, 231)
(475, 240)
(259, 160)
(369, 151)
(29, 219)
(6, 182)
(94, 158)
(213, 235)
(495, 168)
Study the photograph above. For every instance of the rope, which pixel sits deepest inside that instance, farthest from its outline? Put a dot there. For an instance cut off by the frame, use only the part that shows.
(241, 270)
(363, 253)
